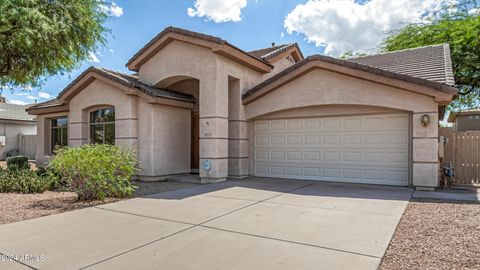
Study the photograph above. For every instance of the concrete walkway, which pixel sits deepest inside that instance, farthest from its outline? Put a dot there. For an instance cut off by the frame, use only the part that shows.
(244, 224)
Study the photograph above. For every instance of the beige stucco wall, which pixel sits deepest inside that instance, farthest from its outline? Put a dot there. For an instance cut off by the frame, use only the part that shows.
(164, 141)
(161, 139)
(278, 66)
(161, 134)
(44, 138)
(100, 94)
(326, 110)
(219, 102)
(321, 87)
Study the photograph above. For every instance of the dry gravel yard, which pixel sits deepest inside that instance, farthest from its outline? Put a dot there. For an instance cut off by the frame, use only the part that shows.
(17, 207)
(436, 234)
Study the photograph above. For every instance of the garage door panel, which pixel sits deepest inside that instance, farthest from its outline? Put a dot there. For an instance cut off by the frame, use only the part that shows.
(338, 156)
(366, 149)
(362, 174)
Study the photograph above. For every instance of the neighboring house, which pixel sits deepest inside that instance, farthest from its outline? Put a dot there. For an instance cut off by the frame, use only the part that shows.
(194, 98)
(465, 120)
(16, 129)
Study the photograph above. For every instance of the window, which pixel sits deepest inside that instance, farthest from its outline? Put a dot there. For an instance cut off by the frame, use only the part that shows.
(102, 126)
(59, 132)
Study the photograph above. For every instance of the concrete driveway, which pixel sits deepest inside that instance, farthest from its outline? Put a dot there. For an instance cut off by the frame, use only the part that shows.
(240, 224)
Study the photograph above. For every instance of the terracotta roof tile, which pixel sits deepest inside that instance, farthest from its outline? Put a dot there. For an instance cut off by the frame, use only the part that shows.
(129, 80)
(441, 86)
(431, 63)
(14, 112)
(268, 53)
(193, 34)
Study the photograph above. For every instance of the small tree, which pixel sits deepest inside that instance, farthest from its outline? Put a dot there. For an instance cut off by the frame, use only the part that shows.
(40, 38)
(458, 25)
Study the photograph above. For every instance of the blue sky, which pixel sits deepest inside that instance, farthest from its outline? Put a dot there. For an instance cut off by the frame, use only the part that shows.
(319, 26)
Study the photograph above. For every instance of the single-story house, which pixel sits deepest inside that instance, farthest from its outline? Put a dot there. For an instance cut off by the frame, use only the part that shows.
(17, 131)
(465, 120)
(195, 102)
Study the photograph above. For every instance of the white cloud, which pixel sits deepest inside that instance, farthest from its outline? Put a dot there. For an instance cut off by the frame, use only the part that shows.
(17, 102)
(474, 11)
(112, 9)
(343, 25)
(44, 95)
(92, 57)
(218, 10)
(111, 50)
(28, 95)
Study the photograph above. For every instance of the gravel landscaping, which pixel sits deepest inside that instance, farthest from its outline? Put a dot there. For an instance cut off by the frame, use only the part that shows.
(17, 207)
(436, 234)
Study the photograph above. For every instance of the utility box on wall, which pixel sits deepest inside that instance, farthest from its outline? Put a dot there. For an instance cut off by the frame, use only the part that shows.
(3, 141)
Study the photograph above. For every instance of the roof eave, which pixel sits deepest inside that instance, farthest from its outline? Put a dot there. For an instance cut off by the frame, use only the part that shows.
(448, 92)
(216, 44)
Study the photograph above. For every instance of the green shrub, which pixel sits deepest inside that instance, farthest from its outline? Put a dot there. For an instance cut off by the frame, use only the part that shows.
(21, 162)
(18, 180)
(95, 171)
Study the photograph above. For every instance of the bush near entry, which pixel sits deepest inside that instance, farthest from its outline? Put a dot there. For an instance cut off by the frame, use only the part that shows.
(94, 171)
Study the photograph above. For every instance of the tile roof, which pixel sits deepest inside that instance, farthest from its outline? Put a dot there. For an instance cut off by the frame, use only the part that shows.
(193, 34)
(261, 52)
(268, 53)
(454, 114)
(431, 63)
(129, 80)
(132, 80)
(14, 112)
(46, 104)
(355, 65)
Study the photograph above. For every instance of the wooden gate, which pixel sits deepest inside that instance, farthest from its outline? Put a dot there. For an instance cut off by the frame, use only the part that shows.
(466, 159)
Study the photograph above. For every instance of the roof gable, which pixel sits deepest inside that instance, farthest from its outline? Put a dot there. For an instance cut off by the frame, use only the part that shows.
(270, 53)
(216, 44)
(431, 63)
(343, 66)
(130, 81)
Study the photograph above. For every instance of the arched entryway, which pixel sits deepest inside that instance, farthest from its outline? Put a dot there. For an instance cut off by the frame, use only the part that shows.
(188, 85)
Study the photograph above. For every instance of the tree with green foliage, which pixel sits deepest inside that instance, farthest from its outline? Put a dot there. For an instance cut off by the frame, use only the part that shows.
(352, 54)
(458, 25)
(40, 38)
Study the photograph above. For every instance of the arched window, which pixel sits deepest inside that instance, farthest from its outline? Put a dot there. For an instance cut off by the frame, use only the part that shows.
(102, 126)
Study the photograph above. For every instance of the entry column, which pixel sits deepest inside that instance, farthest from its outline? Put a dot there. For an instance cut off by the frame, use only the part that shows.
(214, 130)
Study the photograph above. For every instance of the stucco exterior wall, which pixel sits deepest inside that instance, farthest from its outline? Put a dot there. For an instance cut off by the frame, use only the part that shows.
(161, 139)
(164, 141)
(321, 87)
(161, 134)
(99, 95)
(278, 66)
(44, 138)
(219, 102)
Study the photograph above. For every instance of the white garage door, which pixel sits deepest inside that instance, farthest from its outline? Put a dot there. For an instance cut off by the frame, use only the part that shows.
(362, 149)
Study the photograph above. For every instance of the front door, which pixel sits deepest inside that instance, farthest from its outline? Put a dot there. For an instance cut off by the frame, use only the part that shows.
(195, 143)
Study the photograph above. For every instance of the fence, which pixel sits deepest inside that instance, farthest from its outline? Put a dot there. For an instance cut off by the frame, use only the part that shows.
(466, 157)
(27, 145)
